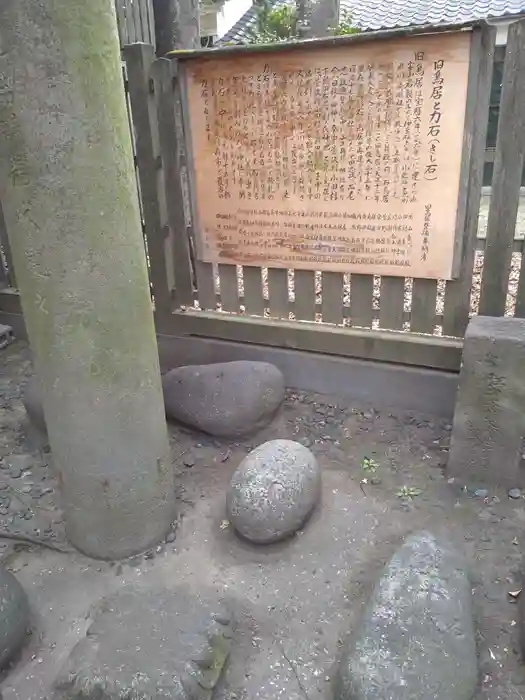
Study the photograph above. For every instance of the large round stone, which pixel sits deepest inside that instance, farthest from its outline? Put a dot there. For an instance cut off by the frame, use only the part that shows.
(273, 491)
(227, 399)
(416, 639)
(14, 616)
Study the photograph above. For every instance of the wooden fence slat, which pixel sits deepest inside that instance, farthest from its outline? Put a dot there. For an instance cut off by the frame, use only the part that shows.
(130, 23)
(278, 292)
(229, 288)
(253, 291)
(332, 297)
(121, 23)
(361, 300)
(139, 61)
(6, 248)
(143, 4)
(423, 310)
(304, 288)
(136, 20)
(205, 285)
(392, 302)
(506, 183)
(173, 144)
(151, 23)
(457, 292)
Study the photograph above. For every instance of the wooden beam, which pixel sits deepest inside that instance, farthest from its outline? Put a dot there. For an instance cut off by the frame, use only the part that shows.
(381, 346)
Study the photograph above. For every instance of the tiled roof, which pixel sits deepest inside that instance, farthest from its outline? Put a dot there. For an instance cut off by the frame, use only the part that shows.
(383, 14)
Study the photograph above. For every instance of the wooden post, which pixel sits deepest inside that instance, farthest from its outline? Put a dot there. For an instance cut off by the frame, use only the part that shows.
(506, 181)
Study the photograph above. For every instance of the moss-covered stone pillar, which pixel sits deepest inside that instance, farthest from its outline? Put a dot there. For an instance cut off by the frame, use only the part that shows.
(70, 202)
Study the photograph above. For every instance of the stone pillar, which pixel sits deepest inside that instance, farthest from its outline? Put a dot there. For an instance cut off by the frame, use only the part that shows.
(177, 25)
(489, 419)
(70, 201)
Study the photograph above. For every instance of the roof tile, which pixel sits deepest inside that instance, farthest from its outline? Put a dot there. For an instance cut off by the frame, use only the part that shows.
(386, 14)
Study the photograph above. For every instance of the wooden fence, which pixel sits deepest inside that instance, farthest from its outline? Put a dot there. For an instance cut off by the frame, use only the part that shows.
(416, 322)
(135, 21)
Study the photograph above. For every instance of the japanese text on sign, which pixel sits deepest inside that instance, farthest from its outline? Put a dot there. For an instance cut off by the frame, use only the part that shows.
(344, 158)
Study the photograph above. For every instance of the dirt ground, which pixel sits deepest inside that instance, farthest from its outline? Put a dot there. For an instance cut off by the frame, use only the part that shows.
(383, 477)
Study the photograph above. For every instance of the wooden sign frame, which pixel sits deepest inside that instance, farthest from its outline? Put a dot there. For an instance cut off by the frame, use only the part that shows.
(443, 267)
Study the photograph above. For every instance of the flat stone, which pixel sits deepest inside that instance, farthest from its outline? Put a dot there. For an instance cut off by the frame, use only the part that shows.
(273, 491)
(416, 640)
(228, 399)
(149, 644)
(481, 493)
(14, 616)
(18, 464)
(515, 493)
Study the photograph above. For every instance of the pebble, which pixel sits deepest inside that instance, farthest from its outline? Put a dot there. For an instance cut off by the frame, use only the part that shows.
(189, 461)
(18, 464)
(481, 493)
(515, 493)
(171, 536)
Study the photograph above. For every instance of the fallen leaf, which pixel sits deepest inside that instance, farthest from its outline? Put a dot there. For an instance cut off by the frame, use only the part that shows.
(225, 524)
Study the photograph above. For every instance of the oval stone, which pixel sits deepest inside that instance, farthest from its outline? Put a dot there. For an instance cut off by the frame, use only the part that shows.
(227, 399)
(14, 616)
(273, 491)
(416, 639)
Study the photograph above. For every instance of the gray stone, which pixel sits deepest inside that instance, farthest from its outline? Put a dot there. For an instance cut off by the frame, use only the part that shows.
(147, 644)
(515, 493)
(416, 640)
(228, 399)
(14, 616)
(481, 493)
(33, 404)
(273, 491)
(489, 418)
(18, 464)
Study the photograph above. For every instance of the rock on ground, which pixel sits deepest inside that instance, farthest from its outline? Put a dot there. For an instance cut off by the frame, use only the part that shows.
(14, 616)
(227, 399)
(273, 491)
(416, 640)
(150, 644)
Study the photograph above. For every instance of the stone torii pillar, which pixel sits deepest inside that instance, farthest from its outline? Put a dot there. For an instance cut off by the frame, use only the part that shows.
(69, 196)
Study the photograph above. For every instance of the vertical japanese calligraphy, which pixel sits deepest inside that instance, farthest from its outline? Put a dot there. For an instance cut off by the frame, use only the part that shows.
(344, 158)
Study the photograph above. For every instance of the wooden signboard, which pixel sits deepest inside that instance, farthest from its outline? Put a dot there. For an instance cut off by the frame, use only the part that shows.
(343, 157)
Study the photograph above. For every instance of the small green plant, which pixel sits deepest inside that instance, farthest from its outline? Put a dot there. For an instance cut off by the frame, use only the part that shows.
(345, 26)
(369, 465)
(407, 493)
(273, 25)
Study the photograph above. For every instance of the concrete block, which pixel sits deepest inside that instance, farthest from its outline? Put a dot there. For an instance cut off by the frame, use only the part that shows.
(489, 419)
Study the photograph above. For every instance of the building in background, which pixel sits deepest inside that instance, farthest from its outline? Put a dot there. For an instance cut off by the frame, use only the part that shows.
(218, 18)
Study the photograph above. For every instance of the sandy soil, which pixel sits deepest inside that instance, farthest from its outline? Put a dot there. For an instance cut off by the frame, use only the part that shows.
(297, 600)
